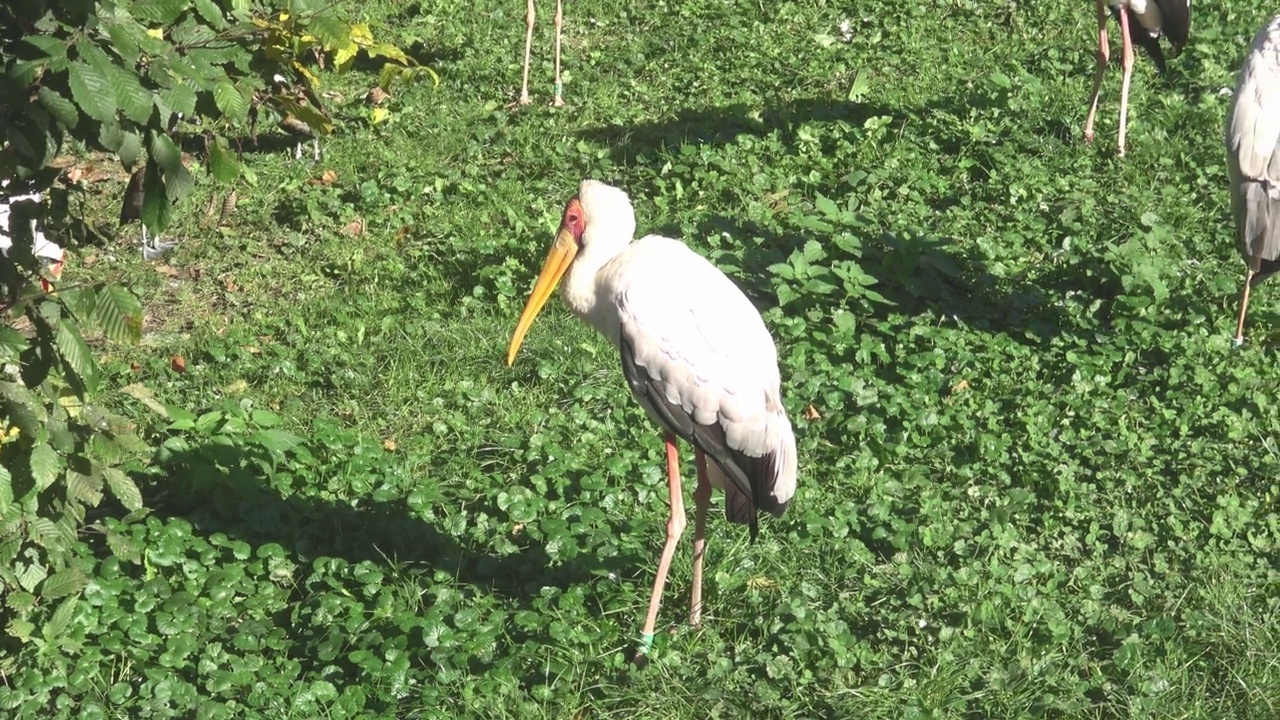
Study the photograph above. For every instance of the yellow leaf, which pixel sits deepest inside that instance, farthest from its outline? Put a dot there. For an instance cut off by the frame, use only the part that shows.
(389, 51)
(306, 74)
(157, 33)
(284, 17)
(10, 434)
(343, 56)
(72, 404)
(380, 114)
(361, 34)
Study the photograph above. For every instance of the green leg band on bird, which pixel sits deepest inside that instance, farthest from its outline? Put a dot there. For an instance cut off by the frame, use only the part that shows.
(646, 643)
(559, 89)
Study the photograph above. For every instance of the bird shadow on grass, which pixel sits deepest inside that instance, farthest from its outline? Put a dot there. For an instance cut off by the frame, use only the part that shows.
(223, 488)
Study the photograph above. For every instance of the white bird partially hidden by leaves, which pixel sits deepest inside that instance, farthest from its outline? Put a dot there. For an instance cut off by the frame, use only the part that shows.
(50, 254)
(1142, 22)
(698, 358)
(1253, 161)
(135, 195)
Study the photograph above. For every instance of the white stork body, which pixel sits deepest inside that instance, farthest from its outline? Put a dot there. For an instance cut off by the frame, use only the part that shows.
(46, 251)
(696, 354)
(1143, 22)
(1253, 161)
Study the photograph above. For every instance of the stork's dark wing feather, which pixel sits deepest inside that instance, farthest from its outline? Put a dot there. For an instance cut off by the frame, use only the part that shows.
(1175, 23)
(745, 472)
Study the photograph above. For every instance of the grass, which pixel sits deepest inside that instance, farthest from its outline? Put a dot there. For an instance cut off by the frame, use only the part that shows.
(1042, 483)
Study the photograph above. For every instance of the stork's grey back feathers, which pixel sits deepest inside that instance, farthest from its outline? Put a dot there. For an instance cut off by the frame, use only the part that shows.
(1253, 152)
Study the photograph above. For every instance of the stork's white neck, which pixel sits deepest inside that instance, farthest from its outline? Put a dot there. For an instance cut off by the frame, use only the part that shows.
(580, 289)
(609, 224)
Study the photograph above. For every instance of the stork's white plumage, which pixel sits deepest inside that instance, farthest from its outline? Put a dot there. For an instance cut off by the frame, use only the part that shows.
(1143, 22)
(47, 251)
(696, 354)
(1253, 161)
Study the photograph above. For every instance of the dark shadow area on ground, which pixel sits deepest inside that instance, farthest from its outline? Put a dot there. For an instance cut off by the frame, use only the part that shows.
(723, 125)
(219, 488)
(917, 270)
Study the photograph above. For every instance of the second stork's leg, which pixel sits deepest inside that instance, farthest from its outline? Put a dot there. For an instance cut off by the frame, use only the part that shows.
(1127, 60)
(558, 101)
(701, 501)
(675, 528)
(1104, 57)
(1244, 305)
(528, 50)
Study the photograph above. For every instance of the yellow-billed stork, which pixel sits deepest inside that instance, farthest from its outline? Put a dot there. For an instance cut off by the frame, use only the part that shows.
(530, 16)
(696, 354)
(1143, 22)
(1253, 161)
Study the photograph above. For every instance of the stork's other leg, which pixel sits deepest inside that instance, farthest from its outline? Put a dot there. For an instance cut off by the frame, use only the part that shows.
(315, 149)
(675, 528)
(701, 501)
(1127, 60)
(1104, 57)
(1244, 305)
(558, 101)
(528, 49)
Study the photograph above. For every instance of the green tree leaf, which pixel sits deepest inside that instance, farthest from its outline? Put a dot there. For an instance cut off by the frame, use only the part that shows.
(24, 411)
(230, 101)
(160, 12)
(76, 354)
(45, 466)
(123, 488)
(62, 109)
(222, 163)
(91, 91)
(212, 14)
(118, 314)
(179, 98)
(165, 152)
(57, 624)
(130, 149)
(6, 491)
(135, 101)
(67, 581)
(85, 488)
(155, 203)
(53, 47)
(11, 343)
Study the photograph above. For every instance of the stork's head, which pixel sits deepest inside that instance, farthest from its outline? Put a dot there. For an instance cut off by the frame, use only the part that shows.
(598, 223)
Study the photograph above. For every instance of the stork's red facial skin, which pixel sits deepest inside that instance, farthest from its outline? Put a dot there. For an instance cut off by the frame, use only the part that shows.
(574, 221)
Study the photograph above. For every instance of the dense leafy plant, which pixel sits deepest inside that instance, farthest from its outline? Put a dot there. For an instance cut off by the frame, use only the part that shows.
(119, 77)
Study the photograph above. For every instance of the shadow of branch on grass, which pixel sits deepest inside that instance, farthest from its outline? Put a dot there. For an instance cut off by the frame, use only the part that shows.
(633, 142)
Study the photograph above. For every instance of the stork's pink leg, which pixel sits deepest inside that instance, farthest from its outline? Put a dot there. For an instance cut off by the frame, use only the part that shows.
(1104, 57)
(675, 528)
(701, 501)
(528, 50)
(558, 101)
(1244, 305)
(1127, 60)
